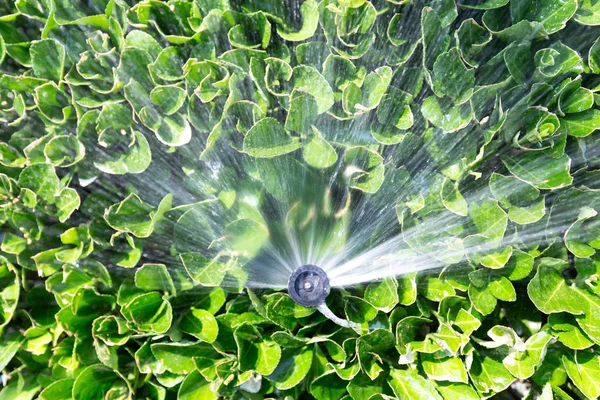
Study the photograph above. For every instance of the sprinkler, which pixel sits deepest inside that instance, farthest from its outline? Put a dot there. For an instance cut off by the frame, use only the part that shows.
(309, 286)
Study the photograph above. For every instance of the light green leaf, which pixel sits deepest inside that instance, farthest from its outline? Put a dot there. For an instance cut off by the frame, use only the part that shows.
(448, 118)
(565, 327)
(452, 199)
(579, 237)
(318, 153)
(194, 386)
(409, 385)
(203, 270)
(178, 358)
(268, 139)
(588, 13)
(382, 295)
(489, 219)
(310, 80)
(440, 368)
(453, 390)
(583, 367)
(200, 324)
(551, 293)
(67, 201)
(97, 381)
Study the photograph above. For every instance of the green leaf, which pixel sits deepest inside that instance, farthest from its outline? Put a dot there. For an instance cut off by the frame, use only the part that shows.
(291, 372)
(528, 214)
(588, 13)
(328, 386)
(48, 59)
(486, 288)
(64, 150)
(488, 374)
(553, 15)
(551, 293)
(581, 99)
(358, 100)
(582, 123)
(244, 237)
(318, 153)
(88, 301)
(168, 65)
(200, 324)
(194, 386)
(452, 390)
(583, 368)
(308, 79)
(565, 327)
(58, 390)
(444, 368)
(407, 289)
(540, 171)
(446, 117)
(203, 270)
(366, 169)
(578, 237)
(310, 20)
(589, 320)
(268, 139)
(452, 78)
(98, 381)
(168, 99)
(41, 179)
(382, 295)
(254, 352)
(302, 112)
(149, 312)
(453, 199)
(178, 358)
(489, 219)
(9, 345)
(522, 364)
(111, 330)
(359, 310)
(21, 388)
(409, 385)
(471, 38)
(67, 201)
(132, 215)
(151, 277)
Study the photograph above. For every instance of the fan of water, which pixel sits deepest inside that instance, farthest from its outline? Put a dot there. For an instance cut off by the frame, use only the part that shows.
(357, 209)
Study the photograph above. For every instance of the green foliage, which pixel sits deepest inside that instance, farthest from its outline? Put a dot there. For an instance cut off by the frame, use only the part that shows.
(125, 127)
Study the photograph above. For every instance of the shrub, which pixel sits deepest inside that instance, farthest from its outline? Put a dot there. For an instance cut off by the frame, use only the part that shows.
(151, 152)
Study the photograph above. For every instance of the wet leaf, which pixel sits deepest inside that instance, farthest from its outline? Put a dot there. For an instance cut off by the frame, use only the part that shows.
(269, 139)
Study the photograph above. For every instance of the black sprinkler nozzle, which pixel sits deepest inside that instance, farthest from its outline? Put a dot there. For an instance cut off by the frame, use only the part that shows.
(309, 286)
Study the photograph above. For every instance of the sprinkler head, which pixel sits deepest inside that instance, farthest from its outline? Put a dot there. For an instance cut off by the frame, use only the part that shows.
(308, 286)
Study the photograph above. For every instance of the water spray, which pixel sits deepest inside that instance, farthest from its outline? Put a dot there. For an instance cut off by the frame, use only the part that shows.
(309, 286)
